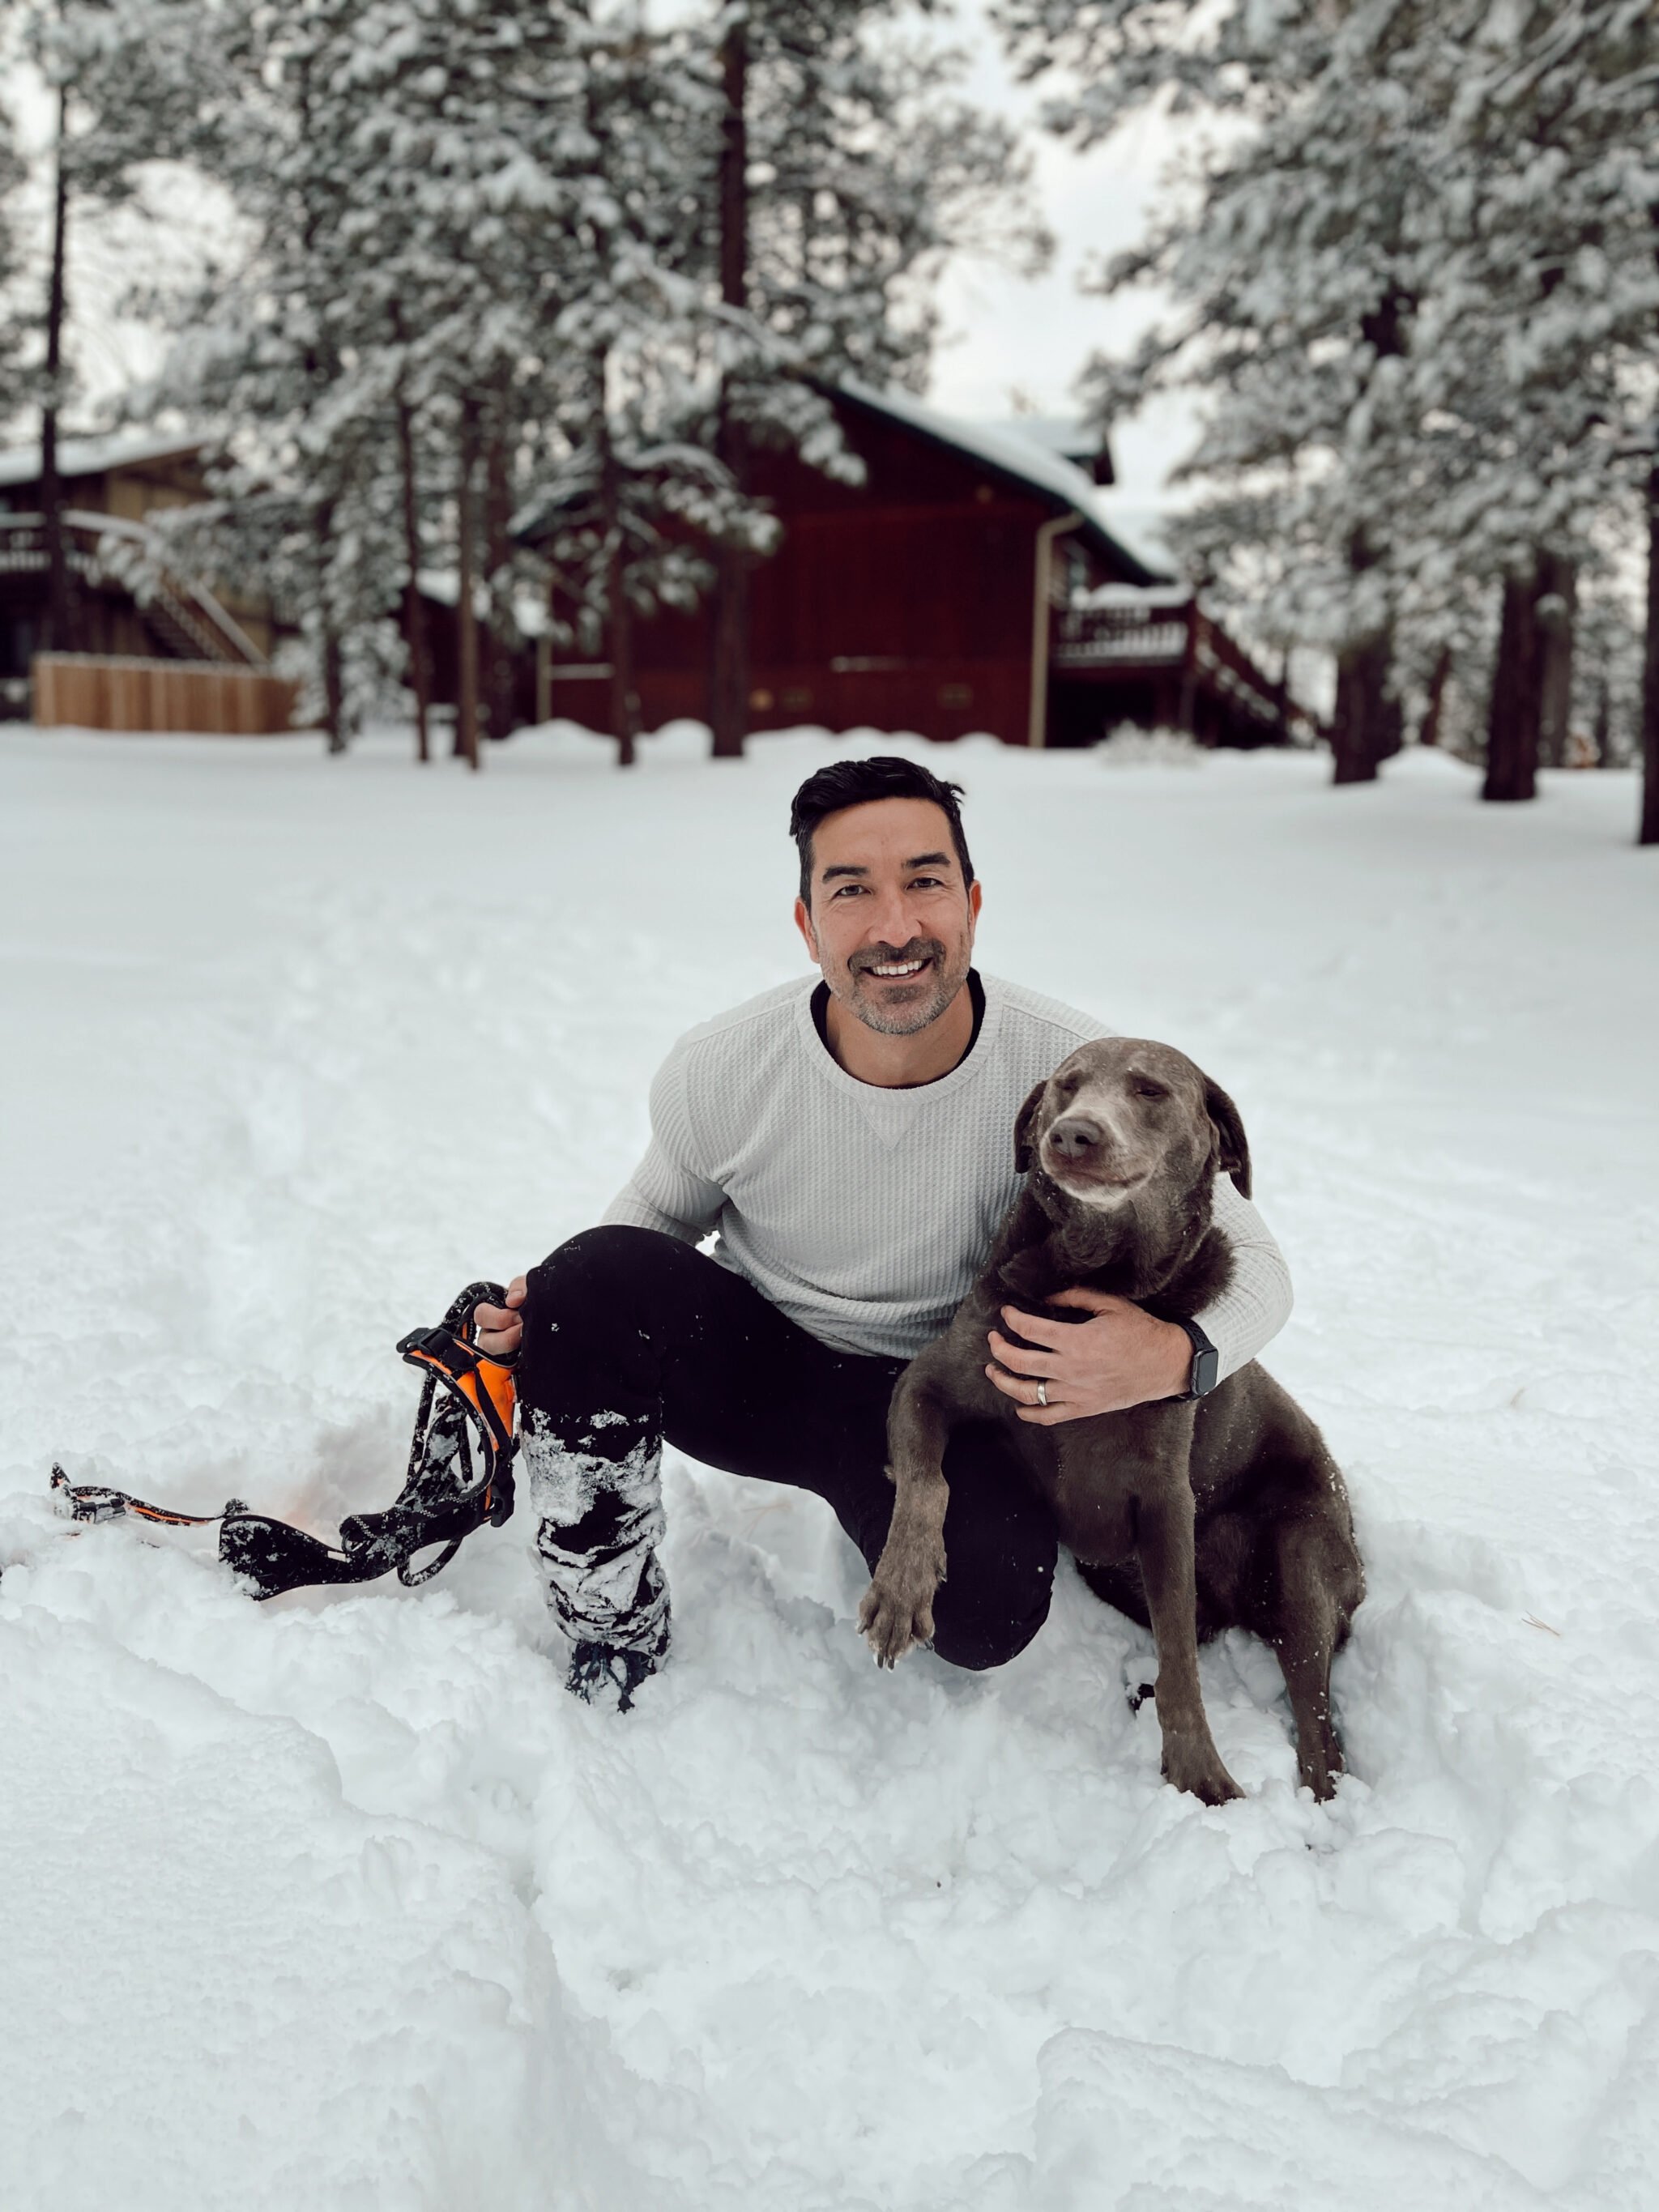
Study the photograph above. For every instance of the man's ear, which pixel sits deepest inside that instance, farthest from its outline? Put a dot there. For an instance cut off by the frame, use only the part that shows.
(804, 923)
(1234, 1156)
(1024, 1122)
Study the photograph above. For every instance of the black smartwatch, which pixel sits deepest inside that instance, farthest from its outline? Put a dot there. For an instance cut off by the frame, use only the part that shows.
(1206, 1362)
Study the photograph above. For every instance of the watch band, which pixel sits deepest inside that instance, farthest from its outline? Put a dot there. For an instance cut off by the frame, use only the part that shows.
(1207, 1363)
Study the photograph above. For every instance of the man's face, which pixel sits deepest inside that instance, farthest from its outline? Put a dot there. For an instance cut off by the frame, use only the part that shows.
(891, 922)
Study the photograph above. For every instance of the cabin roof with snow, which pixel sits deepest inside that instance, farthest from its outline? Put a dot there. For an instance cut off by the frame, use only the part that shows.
(1064, 434)
(1028, 452)
(120, 451)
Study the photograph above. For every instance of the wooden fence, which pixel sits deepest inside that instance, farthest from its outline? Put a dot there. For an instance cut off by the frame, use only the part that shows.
(99, 691)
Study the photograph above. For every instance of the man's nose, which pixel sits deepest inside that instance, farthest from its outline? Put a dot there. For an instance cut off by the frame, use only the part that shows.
(1076, 1135)
(887, 920)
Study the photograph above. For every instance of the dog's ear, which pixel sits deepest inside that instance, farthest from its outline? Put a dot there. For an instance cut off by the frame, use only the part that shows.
(1234, 1158)
(1024, 1122)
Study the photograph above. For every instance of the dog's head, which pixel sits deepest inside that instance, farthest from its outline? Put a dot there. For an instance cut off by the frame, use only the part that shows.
(1122, 1116)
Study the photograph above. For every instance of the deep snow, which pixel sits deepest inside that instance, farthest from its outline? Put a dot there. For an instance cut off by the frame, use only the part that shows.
(342, 1902)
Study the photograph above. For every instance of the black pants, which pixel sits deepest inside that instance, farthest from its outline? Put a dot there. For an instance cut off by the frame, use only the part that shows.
(632, 1338)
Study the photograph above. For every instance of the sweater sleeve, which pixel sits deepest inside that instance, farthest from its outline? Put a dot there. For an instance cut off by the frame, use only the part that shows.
(1256, 1303)
(669, 1191)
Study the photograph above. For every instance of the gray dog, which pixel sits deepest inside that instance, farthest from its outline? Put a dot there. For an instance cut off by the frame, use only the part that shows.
(1191, 1517)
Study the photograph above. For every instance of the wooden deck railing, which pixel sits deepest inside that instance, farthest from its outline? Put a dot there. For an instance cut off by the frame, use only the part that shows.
(103, 549)
(1163, 628)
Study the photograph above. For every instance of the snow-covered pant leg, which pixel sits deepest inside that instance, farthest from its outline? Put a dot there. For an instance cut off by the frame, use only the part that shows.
(599, 1516)
(632, 1339)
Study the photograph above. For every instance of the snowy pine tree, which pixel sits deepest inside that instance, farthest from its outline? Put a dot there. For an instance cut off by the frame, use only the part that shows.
(14, 316)
(124, 77)
(1409, 273)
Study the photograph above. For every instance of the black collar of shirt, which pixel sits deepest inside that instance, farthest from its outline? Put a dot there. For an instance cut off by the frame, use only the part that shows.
(975, 993)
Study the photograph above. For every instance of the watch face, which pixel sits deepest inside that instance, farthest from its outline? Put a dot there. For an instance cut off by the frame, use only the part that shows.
(1205, 1375)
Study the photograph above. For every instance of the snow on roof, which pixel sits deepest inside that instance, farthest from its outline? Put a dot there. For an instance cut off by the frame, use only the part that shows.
(1140, 522)
(90, 457)
(1056, 433)
(1012, 454)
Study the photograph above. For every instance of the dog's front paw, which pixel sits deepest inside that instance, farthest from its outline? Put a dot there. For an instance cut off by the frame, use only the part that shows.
(1196, 1767)
(897, 1610)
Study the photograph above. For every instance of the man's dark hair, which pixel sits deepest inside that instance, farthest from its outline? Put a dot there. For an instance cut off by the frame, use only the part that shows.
(854, 783)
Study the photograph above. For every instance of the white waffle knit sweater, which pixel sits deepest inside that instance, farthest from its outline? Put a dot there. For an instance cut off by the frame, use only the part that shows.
(866, 1213)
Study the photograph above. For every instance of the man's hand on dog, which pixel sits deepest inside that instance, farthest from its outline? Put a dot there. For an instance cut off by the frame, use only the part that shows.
(1121, 1357)
(499, 1328)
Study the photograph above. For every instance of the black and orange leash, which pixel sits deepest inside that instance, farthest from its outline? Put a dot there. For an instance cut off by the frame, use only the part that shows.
(467, 1403)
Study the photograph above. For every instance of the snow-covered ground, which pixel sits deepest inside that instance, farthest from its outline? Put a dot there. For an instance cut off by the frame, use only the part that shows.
(341, 1902)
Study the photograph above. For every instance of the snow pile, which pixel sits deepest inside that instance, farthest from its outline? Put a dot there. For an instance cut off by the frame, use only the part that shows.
(1131, 745)
(341, 1902)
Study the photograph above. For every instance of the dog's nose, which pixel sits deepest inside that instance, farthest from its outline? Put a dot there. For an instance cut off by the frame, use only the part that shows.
(1077, 1136)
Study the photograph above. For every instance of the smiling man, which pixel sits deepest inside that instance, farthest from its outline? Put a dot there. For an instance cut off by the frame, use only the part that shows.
(849, 1142)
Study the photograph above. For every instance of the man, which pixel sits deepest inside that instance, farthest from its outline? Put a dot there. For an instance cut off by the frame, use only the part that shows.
(851, 1142)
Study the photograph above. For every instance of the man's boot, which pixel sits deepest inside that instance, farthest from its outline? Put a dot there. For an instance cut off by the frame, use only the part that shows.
(600, 1522)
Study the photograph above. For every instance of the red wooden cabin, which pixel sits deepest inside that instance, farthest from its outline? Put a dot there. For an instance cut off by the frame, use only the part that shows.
(957, 589)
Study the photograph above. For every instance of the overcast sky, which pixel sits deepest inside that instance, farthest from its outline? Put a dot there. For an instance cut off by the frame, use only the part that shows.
(1004, 334)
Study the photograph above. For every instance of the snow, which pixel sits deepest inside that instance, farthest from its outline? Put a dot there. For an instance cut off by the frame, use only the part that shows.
(342, 1901)
(91, 456)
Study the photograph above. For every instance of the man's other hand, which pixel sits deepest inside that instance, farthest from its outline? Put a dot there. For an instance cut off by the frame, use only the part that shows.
(499, 1331)
(1121, 1357)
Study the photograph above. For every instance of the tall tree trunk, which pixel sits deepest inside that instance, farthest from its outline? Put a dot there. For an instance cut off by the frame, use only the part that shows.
(330, 652)
(334, 707)
(1557, 579)
(1429, 734)
(1649, 832)
(501, 635)
(624, 701)
(1601, 727)
(466, 611)
(59, 628)
(728, 703)
(420, 675)
(1365, 724)
(1512, 718)
(1360, 722)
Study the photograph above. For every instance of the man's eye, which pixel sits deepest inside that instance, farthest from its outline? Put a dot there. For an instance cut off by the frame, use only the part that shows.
(847, 890)
(928, 882)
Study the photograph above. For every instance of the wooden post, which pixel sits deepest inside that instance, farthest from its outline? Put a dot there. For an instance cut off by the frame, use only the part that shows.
(1187, 701)
(1036, 720)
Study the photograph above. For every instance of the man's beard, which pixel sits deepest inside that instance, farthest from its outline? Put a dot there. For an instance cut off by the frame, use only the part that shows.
(901, 1009)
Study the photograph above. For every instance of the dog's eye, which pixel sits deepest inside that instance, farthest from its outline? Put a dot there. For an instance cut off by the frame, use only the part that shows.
(1145, 1088)
(1066, 1087)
